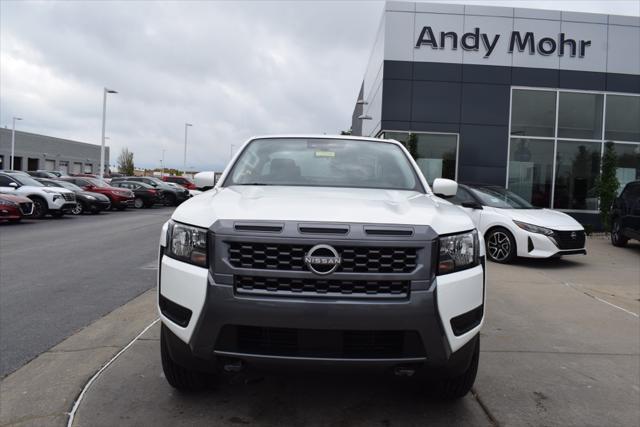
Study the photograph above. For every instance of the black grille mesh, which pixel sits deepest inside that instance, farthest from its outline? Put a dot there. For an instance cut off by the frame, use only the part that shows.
(566, 241)
(26, 207)
(393, 288)
(69, 197)
(320, 343)
(355, 259)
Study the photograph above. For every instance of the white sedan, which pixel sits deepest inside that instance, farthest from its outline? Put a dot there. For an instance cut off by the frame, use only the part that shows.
(513, 227)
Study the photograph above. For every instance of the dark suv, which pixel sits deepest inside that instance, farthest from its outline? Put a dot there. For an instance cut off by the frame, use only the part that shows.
(170, 195)
(625, 215)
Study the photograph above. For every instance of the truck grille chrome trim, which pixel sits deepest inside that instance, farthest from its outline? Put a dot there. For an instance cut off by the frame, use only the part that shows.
(318, 287)
(354, 259)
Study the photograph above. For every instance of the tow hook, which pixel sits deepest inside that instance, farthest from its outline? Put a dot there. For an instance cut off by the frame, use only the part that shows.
(404, 371)
(234, 366)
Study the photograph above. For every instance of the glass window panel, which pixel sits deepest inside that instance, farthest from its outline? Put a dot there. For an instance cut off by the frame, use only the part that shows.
(577, 169)
(623, 118)
(533, 113)
(531, 170)
(435, 154)
(628, 163)
(580, 115)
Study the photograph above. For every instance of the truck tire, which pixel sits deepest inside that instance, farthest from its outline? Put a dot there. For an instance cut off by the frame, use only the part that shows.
(458, 387)
(178, 376)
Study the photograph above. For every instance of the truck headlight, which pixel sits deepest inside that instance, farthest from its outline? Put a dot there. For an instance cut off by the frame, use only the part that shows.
(458, 252)
(187, 243)
(534, 228)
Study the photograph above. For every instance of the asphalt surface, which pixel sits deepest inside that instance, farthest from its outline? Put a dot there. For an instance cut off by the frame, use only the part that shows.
(59, 275)
(560, 346)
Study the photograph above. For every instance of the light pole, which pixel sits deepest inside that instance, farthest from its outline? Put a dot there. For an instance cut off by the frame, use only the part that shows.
(13, 141)
(104, 118)
(184, 162)
(162, 164)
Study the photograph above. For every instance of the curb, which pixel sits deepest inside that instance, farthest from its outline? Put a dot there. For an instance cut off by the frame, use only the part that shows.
(43, 391)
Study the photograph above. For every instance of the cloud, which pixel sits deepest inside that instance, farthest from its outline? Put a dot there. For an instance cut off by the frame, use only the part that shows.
(233, 69)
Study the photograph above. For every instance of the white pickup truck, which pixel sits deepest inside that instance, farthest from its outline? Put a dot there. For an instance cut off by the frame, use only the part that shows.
(322, 251)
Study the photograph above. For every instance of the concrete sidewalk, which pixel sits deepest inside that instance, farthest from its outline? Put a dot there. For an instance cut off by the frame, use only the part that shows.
(553, 353)
(42, 392)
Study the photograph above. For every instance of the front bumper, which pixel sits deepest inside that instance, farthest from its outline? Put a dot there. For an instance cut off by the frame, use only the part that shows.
(119, 201)
(10, 212)
(196, 311)
(535, 245)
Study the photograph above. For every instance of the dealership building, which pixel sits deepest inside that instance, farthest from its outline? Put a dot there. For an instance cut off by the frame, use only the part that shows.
(522, 98)
(34, 152)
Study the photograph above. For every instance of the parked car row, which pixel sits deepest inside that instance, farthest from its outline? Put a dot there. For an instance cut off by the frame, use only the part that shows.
(25, 195)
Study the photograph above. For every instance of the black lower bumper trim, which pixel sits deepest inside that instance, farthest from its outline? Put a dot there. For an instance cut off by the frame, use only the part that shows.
(467, 321)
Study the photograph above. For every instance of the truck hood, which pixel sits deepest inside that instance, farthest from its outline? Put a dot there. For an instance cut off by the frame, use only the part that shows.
(543, 217)
(322, 204)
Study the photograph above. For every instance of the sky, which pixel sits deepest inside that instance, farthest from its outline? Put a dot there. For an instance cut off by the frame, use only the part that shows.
(232, 69)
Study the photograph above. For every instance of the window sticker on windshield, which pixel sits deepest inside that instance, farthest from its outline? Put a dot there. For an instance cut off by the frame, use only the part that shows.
(325, 154)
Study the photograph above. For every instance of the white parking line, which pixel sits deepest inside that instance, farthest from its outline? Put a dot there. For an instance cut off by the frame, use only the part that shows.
(76, 404)
(620, 308)
(601, 300)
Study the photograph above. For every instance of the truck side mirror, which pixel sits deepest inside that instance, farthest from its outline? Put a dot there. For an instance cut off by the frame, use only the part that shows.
(445, 188)
(205, 179)
(13, 185)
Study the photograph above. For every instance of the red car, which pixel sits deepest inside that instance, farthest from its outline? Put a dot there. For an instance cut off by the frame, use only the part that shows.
(121, 198)
(13, 208)
(181, 180)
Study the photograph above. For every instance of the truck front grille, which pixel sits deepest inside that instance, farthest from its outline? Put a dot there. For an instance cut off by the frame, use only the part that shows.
(320, 343)
(318, 287)
(355, 259)
(569, 239)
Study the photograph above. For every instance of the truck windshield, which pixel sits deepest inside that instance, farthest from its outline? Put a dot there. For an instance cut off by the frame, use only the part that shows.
(317, 162)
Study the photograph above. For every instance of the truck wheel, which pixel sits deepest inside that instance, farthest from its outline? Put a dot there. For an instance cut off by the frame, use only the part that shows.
(40, 208)
(178, 376)
(501, 246)
(457, 387)
(617, 239)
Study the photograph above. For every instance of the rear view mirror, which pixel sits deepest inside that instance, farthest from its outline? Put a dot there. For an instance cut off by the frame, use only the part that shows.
(205, 179)
(445, 188)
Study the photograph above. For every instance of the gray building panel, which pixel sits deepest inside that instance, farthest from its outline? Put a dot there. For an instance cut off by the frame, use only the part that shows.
(34, 151)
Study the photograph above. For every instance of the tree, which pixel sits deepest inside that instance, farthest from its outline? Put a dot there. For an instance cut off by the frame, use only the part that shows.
(412, 145)
(607, 184)
(125, 162)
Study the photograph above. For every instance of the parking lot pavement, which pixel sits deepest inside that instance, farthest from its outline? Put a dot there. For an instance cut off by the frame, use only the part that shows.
(552, 354)
(66, 273)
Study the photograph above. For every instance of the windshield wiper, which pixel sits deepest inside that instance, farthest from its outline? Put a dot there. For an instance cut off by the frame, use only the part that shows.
(253, 183)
